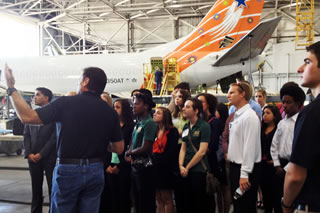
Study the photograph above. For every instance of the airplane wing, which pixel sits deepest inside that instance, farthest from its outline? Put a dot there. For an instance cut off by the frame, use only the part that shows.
(259, 38)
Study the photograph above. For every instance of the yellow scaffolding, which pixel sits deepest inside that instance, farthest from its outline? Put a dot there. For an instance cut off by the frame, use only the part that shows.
(171, 78)
(304, 23)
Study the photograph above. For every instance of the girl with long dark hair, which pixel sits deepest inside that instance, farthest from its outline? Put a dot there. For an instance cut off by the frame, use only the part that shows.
(271, 117)
(179, 121)
(177, 116)
(209, 104)
(165, 153)
(118, 172)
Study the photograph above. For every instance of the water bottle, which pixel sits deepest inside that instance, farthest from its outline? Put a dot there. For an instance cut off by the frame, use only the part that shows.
(238, 193)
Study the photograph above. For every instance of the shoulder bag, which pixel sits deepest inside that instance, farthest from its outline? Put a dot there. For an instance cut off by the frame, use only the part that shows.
(212, 183)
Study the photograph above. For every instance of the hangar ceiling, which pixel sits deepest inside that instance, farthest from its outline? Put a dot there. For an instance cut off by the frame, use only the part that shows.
(83, 26)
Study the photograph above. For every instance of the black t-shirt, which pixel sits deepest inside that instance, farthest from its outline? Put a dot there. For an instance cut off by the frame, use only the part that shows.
(127, 130)
(306, 152)
(266, 141)
(85, 125)
(217, 127)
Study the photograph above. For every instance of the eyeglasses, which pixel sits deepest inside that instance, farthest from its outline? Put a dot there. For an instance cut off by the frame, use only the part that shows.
(239, 85)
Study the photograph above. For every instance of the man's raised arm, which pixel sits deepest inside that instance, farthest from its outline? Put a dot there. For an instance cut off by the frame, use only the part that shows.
(24, 112)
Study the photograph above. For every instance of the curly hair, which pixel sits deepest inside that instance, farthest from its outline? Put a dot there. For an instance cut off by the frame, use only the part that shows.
(292, 89)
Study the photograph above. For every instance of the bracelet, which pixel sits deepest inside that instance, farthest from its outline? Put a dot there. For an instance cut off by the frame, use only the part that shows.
(285, 206)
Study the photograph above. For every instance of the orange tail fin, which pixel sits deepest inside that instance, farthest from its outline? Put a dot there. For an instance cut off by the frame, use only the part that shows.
(224, 25)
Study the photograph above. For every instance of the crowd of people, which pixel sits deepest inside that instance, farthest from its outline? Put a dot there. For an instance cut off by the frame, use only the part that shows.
(105, 156)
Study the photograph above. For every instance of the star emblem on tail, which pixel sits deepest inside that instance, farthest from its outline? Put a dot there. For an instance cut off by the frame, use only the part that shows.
(241, 2)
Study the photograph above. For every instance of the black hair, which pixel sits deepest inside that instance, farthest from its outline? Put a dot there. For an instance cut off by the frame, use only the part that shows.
(224, 113)
(197, 105)
(146, 92)
(97, 79)
(146, 99)
(292, 89)
(315, 49)
(46, 92)
(276, 114)
(183, 85)
(126, 110)
(212, 102)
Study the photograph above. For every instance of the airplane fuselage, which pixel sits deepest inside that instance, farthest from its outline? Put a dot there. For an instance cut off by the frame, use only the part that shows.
(124, 71)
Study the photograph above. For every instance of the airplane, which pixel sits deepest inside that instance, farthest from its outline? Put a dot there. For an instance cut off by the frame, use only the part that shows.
(226, 44)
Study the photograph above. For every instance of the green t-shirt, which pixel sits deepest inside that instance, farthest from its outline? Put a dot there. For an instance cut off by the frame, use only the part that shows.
(200, 132)
(145, 130)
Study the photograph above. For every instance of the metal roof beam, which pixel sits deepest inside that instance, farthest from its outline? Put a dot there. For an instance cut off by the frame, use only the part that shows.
(151, 33)
(17, 4)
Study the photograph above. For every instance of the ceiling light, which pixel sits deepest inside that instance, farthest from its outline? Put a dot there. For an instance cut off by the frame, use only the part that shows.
(104, 14)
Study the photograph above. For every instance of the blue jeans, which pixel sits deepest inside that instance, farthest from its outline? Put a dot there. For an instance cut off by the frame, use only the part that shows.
(77, 186)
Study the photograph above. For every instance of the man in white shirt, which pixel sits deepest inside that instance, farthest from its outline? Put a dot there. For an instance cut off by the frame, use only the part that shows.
(244, 151)
(292, 97)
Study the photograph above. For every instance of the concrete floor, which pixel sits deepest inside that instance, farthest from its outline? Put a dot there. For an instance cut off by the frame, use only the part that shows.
(15, 185)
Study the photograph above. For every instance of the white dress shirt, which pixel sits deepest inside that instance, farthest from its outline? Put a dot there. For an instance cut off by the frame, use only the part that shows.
(281, 146)
(244, 140)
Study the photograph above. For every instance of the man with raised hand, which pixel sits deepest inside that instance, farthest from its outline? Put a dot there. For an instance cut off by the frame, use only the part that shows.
(85, 126)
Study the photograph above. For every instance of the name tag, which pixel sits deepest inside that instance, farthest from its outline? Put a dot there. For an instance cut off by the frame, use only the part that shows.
(185, 133)
(196, 133)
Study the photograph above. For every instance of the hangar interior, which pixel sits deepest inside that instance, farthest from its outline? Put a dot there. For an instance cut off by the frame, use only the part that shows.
(79, 27)
(67, 27)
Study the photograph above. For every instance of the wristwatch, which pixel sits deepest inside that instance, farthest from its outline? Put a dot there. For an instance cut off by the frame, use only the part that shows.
(11, 90)
(285, 206)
